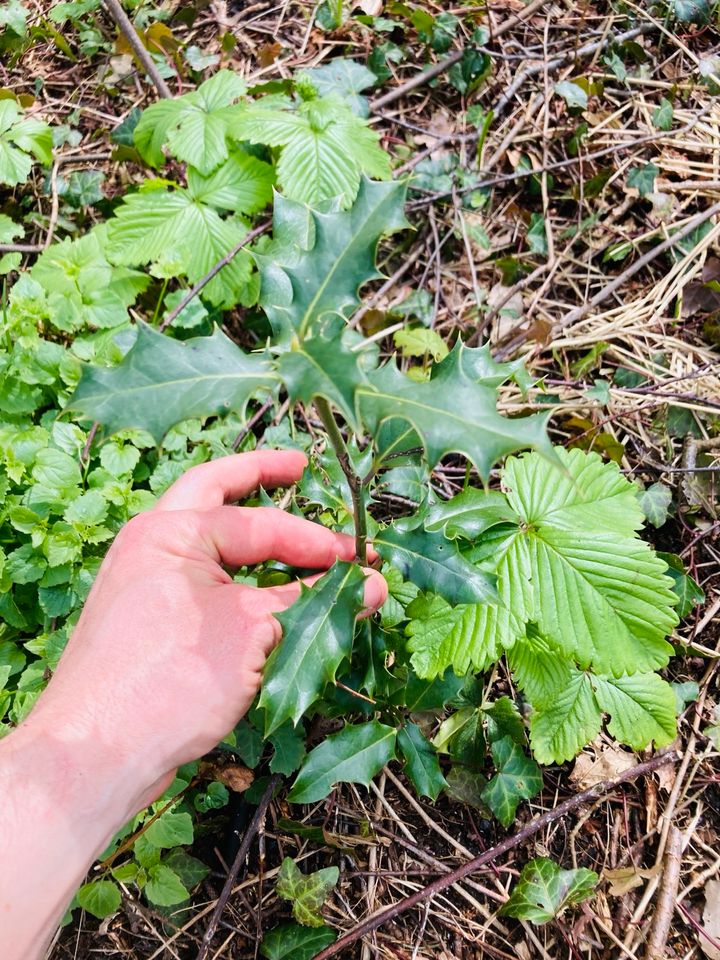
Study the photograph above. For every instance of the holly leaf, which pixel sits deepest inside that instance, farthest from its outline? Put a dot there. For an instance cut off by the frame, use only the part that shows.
(291, 942)
(544, 890)
(422, 765)
(354, 755)
(162, 381)
(517, 778)
(307, 892)
(451, 413)
(317, 271)
(434, 563)
(317, 637)
(325, 148)
(195, 126)
(469, 514)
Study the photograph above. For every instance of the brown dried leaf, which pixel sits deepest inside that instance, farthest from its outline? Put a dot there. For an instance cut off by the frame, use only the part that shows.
(600, 765)
(268, 54)
(625, 879)
(235, 776)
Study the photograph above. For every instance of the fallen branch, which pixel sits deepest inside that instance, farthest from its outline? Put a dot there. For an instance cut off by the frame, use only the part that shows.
(672, 863)
(237, 863)
(442, 883)
(126, 27)
(204, 281)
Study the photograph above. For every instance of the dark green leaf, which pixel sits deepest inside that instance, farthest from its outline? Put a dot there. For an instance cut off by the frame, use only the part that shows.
(517, 778)
(354, 755)
(643, 178)
(655, 501)
(306, 892)
(289, 746)
(544, 890)
(317, 637)
(422, 767)
(469, 514)
(291, 942)
(687, 590)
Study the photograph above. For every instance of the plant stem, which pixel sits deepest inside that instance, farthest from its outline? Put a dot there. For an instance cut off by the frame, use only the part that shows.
(354, 481)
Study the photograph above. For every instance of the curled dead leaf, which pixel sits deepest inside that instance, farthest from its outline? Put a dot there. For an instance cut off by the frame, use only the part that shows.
(600, 765)
(235, 776)
(625, 879)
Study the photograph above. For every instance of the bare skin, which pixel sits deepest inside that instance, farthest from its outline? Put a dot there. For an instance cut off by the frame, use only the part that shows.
(165, 659)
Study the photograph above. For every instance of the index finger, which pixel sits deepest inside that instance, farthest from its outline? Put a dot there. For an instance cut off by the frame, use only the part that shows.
(212, 484)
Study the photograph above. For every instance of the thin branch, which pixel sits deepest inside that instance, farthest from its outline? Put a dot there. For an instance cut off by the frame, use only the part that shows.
(539, 823)
(354, 481)
(204, 281)
(127, 28)
(665, 908)
(237, 863)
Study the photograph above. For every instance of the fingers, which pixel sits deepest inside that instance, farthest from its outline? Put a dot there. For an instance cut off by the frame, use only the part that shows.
(230, 478)
(235, 536)
(276, 599)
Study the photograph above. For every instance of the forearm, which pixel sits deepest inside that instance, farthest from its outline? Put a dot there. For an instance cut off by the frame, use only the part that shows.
(61, 803)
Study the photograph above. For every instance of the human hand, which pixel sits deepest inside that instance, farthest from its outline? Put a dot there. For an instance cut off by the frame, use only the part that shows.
(168, 652)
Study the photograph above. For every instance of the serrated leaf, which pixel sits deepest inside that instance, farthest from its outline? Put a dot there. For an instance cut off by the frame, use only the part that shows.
(517, 778)
(641, 708)
(306, 892)
(601, 596)
(469, 514)
(195, 126)
(451, 413)
(419, 341)
(317, 637)
(324, 366)
(101, 898)
(354, 755)
(560, 728)
(162, 381)
(172, 829)
(242, 184)
(422, 765)
(325, 148)
(434, 563)
(544, 890)
(655, 502)
(346, 79)
(21, 139)
(322, 268)
(291, 942)
(164, 887)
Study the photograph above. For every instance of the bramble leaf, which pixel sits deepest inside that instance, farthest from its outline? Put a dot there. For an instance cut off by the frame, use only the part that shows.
(291, 942)
(434, 563)
(517, 778)
(318, 271)
(641, 708)
(21, 139)
(307, 892)
(544, 890)
(162, 381)
(422, 767)
(317, 637)
(451, 413)
(325, 148)
(354, 755)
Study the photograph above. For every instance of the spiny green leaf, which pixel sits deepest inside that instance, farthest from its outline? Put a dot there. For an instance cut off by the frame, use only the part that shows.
(306, 892)
(544, 890)
(162, 381)
(195, 126)
(354, 755)
(322, 269)
(469, 514)
(423, 767)
(434, 563)
(325, 148)
(517, 778)
(317, 637)
(451, 413)
(291, 942)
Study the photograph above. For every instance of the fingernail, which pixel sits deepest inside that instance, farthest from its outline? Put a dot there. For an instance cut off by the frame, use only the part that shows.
(375, 592)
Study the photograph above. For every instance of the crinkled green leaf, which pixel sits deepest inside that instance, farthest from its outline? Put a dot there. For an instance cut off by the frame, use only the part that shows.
(317, 637)
(291, 942)
(242, 184)
(422, 766)
(306, 891)
(544, 890)
(517, 778)
(354, 755)
(325, 148)
(162, 381)
(560, 728)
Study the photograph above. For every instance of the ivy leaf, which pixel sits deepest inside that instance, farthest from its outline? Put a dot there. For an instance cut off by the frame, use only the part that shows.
(687, 591)
(654, 502)
(469, 514)
(322, 268)
(101, 898)
(21, 139)
(346, 79)
(517, 778)
(663, 114)
(573, 94)
(162, 381)
(643, 178)
(195, 126)
(598, 593)
(451, 413)
(354, 755)
(291, 942)
(317, 637)
(306, 892)
(324, 366)
(325, 148)
(423, 767)
(434, 563)
(289, 749)
(544, 890)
